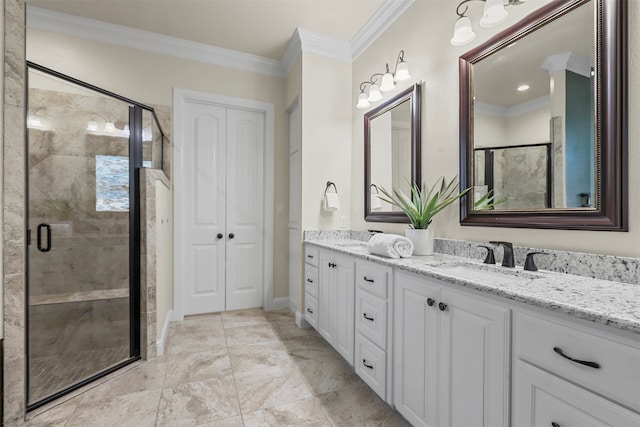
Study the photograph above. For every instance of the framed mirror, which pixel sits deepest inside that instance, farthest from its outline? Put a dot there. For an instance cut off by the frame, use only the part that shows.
(391, 153)
(543, 120)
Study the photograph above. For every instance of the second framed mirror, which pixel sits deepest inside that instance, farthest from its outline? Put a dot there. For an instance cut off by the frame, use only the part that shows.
(391, 152)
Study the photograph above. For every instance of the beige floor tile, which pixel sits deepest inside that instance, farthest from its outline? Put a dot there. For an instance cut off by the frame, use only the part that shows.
(190, 367)
(135, 410)
(305, 413)
(233, 319)
(259, 356)
(198, 403)
(253, 334)
(229, 422)
(323, 369)
(357, 405)
(56, 416)
(260, 389)
(146, 376)
(194, 339)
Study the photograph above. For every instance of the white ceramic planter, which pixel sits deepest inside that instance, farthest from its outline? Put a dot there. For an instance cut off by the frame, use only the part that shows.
(422, 240)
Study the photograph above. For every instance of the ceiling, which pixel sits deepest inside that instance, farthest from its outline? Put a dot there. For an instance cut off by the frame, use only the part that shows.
(258, 27)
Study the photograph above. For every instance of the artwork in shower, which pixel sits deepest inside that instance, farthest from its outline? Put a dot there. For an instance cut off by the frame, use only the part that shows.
(112, 183)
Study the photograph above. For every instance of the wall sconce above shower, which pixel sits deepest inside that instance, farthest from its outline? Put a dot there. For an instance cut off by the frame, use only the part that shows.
(387, 82)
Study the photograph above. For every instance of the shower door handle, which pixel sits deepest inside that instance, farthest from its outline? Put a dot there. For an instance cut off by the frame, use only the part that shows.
(48, 247)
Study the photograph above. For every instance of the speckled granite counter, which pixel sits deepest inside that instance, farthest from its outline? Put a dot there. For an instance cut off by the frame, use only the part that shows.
(601, 301)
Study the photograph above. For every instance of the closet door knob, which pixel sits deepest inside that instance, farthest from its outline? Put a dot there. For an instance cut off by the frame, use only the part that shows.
(231, 235)
(220, 236)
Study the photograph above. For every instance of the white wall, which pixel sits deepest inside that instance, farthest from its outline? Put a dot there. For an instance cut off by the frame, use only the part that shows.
(1, 171)
(424, 31)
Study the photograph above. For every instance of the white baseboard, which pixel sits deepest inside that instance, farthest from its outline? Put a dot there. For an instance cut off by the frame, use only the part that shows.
(293, 305)
(162, 342)
(300, 320)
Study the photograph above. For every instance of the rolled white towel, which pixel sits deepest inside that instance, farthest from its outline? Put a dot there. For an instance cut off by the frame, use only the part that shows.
(390, 246)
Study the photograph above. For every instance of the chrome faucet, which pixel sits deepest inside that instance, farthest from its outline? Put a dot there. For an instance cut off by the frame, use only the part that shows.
(507, 257)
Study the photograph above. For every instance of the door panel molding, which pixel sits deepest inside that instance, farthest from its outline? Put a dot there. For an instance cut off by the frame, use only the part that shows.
(181, 98)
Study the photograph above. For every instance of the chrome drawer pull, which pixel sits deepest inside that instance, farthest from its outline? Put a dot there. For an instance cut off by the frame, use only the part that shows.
(367, 317)
(582, 362)
(364, 362)
(368, 280)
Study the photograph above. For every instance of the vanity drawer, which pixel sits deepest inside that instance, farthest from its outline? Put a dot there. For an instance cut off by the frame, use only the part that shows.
(371, 317)
(311, 280)
(543, 399)
(617, 373)
(311, 255)
(373, 278)
(311, 310)
(371, 365)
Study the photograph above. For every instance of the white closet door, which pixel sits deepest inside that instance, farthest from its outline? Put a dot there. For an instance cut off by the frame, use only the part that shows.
(203, 208)
(245, 208)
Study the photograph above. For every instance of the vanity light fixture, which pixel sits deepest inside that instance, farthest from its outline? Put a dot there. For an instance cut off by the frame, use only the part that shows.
(493, 14)
(387, 83)
(92, 126)
(109, 127)
(35, 122)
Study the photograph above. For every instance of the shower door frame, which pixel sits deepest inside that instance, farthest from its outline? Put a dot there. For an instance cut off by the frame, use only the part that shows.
(135, 164)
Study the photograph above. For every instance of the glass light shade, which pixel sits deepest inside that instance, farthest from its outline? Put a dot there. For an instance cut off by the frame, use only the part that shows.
(92, 126)
(109, 127)
(494, 14)
(126, 131)
(463, 32)
(374, 94)
(387, 83)
(363, 101)
(402, 72)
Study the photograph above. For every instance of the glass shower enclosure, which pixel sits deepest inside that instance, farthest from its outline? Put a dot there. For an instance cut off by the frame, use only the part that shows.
(85, 146)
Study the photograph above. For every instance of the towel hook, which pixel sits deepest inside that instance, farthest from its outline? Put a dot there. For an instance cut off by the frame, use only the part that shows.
(329, 184)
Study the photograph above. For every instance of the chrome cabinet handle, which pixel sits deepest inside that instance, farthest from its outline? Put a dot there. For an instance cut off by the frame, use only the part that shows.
(593, 365)
(554, 424)
(309, 280)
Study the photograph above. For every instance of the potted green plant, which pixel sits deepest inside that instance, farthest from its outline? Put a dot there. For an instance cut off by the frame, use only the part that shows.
(424, 203)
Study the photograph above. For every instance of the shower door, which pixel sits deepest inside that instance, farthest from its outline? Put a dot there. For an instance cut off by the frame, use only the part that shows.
(83, 303)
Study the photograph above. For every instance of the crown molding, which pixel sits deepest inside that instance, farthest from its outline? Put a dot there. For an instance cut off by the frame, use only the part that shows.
(379, 22)
(63, 23)
(301, 41)
(515, 110)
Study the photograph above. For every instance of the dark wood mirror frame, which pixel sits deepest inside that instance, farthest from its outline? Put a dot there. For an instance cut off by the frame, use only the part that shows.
(611, 213)
(413, 95)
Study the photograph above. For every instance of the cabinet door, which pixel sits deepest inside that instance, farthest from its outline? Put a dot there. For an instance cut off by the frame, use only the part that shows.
(542, 399)
(344, 304)
(474, 361)
(326, 309)
(414, 363)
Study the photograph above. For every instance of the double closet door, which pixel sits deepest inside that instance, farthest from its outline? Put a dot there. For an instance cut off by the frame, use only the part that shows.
(222, 208)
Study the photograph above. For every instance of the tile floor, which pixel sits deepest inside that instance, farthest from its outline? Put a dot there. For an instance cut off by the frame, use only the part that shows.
(243, 368)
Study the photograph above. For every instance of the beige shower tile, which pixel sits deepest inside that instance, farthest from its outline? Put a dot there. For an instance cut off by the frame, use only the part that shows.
(258, 356)
(137, 409)
(305, 413)
(198, 403)
(55, 416)
(201, 366)
(246, 335)
(356, 404)
(260, 389)
(229, 422)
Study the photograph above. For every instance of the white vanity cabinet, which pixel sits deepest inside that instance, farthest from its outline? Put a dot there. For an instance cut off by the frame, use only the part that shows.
(336, 302)
(567, 374)
(451, 355)
(373, 326)
(311, 285)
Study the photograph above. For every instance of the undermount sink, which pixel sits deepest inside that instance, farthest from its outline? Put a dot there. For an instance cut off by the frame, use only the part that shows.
(488, 271)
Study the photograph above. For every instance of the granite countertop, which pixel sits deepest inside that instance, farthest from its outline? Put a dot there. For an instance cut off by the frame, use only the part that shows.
(601, 301)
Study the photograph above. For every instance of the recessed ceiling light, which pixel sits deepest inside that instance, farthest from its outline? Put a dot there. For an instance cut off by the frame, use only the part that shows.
(522, 88)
